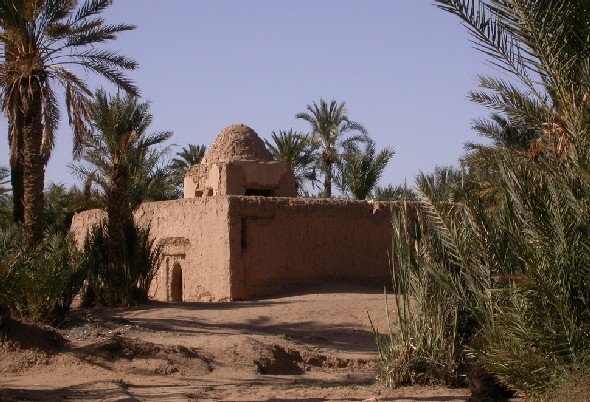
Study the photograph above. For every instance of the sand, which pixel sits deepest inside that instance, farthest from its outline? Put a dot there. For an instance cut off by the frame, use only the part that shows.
(316, 345)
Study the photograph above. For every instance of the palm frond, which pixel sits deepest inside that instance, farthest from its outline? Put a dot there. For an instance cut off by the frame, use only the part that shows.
(90, 8)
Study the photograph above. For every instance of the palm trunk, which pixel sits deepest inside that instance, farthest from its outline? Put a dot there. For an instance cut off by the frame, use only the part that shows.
(118, 205)
(328, 182)
(16, 180)
(15, 135)
(120, 219)
(33, 164)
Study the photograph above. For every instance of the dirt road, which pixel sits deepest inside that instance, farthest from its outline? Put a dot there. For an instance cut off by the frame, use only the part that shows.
(316, 345)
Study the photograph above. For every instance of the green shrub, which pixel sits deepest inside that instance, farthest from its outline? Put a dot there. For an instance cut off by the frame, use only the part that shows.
(505, 288)
(122, 276)
(41, 284)
(432, 324)
(516, 264)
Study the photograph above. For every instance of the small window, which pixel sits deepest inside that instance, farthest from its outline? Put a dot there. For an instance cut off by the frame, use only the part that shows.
(258, 192)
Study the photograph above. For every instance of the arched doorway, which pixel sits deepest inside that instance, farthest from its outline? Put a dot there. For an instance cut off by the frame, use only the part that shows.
(176, 283)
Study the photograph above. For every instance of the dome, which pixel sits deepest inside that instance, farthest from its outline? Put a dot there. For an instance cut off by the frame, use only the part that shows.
(237, 142)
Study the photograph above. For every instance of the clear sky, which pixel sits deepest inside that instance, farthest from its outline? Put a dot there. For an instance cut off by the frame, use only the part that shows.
(403, 67)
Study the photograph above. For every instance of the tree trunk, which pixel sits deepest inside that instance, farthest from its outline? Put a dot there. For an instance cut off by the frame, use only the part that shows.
(328, 182)
(33, 164)
(16, 180)
(118, 204)
(119, 223)
(15, 136)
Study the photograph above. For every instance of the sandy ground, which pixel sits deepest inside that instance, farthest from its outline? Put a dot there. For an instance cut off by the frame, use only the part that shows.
(312, 346)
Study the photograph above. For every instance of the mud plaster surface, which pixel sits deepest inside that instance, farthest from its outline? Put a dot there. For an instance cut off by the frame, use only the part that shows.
(315, 345)
(237, 142)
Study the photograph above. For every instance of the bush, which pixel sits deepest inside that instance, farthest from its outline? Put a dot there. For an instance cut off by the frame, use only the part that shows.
(505, 288)
(432, 324)
(39, 285)
(122, 276)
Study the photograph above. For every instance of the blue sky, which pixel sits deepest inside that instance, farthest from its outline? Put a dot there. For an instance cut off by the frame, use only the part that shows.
(403, 67)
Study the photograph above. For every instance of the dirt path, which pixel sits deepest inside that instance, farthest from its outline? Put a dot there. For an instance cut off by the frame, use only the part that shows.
(312, 346)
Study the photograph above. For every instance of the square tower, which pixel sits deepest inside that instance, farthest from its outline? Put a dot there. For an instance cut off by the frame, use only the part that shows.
(238, 163)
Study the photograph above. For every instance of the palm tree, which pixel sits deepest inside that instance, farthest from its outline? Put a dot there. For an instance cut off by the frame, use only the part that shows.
(4, 179)
(120, 157)
(481, 160)
(39, 41)
(542, 45)
(186, 158)
(519, 275)
(329, 128)
(123, 159)
(361, 170)
(5, 196)
(445, 184)
(395, 193)
(295, 149)
(61, 204)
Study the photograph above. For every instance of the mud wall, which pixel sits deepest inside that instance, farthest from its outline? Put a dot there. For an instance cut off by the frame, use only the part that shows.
(194, 234)
(237, 177)
(238, 247)
(83, 221)
(281, 243)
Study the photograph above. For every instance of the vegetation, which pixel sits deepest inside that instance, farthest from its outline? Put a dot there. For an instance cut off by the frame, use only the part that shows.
(426, 349)
(38, 284)
(395, 193)
(122, 275)
(508, 274)
(179, 165)
(446, 183)
(331, 133)
(5, 197)
(122, 159)
(361, 170)
(62, 204)
(120, 156)
(297, 150)
(39, 41)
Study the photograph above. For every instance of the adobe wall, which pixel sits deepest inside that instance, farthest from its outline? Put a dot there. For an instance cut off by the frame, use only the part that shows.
(194, 234)
(83, 221)
(237, 247)
(280, 243)
(236, 177)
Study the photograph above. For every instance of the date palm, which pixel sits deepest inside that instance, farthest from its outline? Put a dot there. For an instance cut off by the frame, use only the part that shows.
(123, 159)
(297, 150)
(444, 184)
(331, 132)
(186, 158)
(395, 193)
(40, 42)
(518, 274)
(120, 156)
(5, 196)
(543, 47)
(481, 160)
(361, 170)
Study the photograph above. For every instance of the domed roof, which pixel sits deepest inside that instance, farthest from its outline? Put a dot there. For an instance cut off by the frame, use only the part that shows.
(237, 142)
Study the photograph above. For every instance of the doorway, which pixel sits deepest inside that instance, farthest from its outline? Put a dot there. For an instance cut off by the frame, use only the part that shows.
(176, 283)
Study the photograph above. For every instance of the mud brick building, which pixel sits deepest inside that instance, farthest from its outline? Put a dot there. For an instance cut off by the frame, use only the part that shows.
(240, 232)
